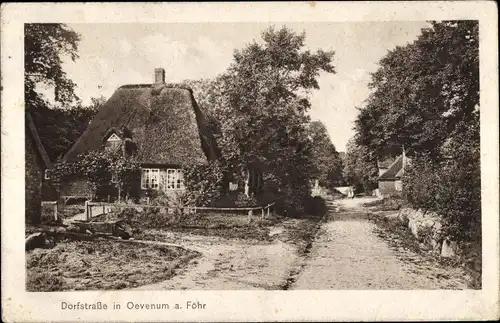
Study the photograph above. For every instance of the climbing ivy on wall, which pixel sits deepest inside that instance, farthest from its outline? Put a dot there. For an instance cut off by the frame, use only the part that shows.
(100, 169)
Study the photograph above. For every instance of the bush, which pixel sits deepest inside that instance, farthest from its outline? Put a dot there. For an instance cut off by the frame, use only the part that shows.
(150, 218)
(315, 206)
(237, 199)
(451, 188)
(391, 203)
(205, 182)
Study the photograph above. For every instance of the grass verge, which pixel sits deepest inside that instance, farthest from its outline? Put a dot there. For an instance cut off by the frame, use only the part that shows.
(385, 204)
(101, 265)
(399, 237)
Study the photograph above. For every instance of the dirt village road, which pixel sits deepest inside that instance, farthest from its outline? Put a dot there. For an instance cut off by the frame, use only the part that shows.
(345, 253)
(348, 254)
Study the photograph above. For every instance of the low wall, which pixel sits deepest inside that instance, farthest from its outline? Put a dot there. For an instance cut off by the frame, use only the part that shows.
(428, 228)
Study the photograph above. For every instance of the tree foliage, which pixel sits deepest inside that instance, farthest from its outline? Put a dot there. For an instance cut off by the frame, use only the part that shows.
(422, 90)
(360, 168)
(45, 46)
(451, 188)
(426, 98)
(62, 121)
(60, 128)
(258, 109)
(205, 182)
(327, 165)
(101, 169)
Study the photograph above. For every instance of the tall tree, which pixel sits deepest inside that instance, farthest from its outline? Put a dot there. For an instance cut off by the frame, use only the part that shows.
(360, 168)
(63, 120)
(327, 165)
(45, 46)
(422, 90)
(260, 107)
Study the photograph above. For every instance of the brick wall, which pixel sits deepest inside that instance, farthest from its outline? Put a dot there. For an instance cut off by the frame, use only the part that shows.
(33, 182)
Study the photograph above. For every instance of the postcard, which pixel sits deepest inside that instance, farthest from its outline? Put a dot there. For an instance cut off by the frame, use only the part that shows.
(288, 161)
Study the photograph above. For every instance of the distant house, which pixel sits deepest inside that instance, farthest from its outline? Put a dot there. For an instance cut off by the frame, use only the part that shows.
(37, 163)
(383, 165)
(341, 191)
(390, 180)
(160, 124)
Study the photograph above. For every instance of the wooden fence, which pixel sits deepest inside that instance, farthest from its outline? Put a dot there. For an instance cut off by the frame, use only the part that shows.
(106, 208)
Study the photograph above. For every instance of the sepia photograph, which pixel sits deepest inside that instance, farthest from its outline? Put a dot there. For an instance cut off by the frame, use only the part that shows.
(247, 156)
(251, 156)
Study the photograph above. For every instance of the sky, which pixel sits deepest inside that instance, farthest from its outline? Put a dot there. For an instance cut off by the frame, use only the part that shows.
(112, 55)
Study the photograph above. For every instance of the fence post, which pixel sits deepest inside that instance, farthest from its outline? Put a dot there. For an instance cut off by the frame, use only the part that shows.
(55, 211)
(262, 216)
(87, 210)
(268, 208)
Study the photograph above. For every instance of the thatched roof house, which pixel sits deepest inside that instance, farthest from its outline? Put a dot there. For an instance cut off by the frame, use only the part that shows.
(163, 120)
(162, 126)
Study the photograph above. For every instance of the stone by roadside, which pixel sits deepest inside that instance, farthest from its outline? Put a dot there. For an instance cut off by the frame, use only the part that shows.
(418, 251)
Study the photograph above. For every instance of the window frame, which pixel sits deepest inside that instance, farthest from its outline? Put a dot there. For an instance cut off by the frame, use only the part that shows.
(152, 173)
(168, 179)
(176, 179)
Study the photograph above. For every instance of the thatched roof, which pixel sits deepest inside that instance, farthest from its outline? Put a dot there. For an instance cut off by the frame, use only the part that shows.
(163, 121)
(37, 143)
(395, 170)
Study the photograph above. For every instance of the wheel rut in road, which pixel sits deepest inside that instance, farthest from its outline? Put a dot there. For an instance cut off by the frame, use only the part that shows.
(305, 251)
(347, 254)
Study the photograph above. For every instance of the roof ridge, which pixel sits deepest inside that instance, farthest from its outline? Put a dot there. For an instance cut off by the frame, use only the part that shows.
(389, 169)
(38, 142)
(152, 85)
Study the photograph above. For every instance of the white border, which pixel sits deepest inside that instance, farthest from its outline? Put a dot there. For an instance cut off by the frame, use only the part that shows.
(17, 305)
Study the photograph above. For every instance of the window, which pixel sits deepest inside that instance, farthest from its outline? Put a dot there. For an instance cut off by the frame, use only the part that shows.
(174, 180)
(46, 174)
(150, 178)
(168, 179)
(114, 137)
(114, 142)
